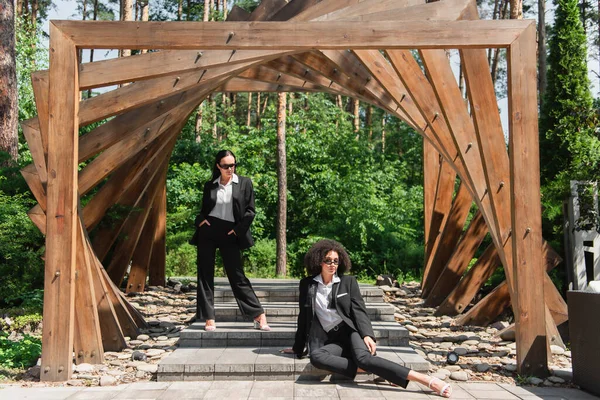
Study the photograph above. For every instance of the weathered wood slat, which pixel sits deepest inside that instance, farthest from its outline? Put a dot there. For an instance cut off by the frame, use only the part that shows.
(266, 9)
(458, 262)
(294, 35)
(40, 85)
(237, 14)
(36, 147)
(525, 203)
(456, 302)
(140, 260)
(449, 237)
(158, 262)
(431, 171)
(30, 174)
(87, 343)
(61, 227)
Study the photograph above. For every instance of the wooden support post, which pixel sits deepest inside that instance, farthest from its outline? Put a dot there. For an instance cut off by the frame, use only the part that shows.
(462, 295)
(140, 260)
(158, 261)
(88, 336)
(441, 209)
(449, 237)
(458, 262)
(61, 225)
(36, 147)
(526, 205)
(431, 171)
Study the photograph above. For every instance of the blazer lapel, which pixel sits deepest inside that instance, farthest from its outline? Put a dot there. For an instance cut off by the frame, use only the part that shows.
(334, 291)
(213, 194)
(235, 197)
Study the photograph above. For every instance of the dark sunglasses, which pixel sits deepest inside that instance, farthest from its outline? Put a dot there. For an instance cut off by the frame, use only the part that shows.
(329, 261)
(227, 166)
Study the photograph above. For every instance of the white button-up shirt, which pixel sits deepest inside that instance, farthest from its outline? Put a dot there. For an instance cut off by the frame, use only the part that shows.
(224, 207)
(328, 317)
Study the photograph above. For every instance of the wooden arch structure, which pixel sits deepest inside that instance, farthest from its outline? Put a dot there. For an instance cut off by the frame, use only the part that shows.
(362, 49)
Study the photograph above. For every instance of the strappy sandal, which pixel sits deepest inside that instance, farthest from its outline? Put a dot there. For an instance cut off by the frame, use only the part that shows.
(446, 389)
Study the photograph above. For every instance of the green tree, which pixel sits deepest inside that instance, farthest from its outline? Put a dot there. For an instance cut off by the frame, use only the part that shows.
(569, 141)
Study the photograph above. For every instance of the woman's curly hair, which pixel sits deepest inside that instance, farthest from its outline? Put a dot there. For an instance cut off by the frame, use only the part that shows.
(316, 254)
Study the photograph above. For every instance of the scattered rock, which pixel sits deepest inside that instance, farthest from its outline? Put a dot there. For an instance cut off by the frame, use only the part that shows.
(460, 376)
(556, 379)
(411, 328)
(107, 380)
(535, 381)
(75, 382)
(483, 367)
(557, 349)
(138, 356)
(152, 368)
(83, 367)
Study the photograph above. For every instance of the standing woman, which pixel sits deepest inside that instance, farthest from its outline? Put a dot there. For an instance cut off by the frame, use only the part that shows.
(224, 223)
(333, 321)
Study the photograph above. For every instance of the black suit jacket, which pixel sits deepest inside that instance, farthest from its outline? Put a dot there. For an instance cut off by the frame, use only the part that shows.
(345, 298)
(242, 195)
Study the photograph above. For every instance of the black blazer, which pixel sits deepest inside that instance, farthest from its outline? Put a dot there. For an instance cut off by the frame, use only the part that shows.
(345, 298)
(242, 195)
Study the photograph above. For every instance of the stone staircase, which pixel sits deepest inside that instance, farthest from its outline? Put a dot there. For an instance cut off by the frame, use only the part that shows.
(237, 351)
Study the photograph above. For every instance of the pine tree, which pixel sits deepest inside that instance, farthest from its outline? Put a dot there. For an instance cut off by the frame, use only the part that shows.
(567, 107)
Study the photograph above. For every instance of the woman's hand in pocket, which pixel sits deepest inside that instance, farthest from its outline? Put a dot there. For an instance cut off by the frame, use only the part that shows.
(204, 222)
(232, 232)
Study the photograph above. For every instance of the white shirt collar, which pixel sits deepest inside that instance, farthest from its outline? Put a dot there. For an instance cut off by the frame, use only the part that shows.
(234, 179)
(319, 279)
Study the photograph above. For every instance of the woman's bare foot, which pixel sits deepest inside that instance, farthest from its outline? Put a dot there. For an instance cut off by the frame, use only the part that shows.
(440, 387)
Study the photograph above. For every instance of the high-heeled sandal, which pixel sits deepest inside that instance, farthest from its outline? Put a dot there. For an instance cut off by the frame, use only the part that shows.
(210, 328)
(446, 389)
(260, 327)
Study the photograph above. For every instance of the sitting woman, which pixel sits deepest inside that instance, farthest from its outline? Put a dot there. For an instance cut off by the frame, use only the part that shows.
(333, 322)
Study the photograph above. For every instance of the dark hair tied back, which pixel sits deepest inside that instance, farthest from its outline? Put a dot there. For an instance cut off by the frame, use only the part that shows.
(316, 254)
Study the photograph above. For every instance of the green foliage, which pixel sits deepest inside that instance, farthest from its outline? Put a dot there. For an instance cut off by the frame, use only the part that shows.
(19, 323)
(21, 266)
(260, 260)
(21, 353)
(569, 135)
(181, 260)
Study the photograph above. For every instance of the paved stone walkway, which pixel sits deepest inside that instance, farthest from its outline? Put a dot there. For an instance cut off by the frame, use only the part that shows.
(229, 390)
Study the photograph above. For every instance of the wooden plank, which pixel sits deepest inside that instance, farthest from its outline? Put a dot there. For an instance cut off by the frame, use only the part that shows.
(30, 174)
(126, 320)
(449, 237)
(525, 204)
(38, 217)
(431, 171)
(144, 92)
(458, 262)
(247, 85)
(462, 130)
(265, 74)
(140, 260)
(158, 261)
(374, 6)
(456, 302)
(129, 199)
(492, 147)
(294, 35)
(442, 203)
(237, 14)
(87, 343)
(36, 147)
(322, 8)
(292, 9)
(131, 145)
(113, 338)
(488, 308)
(40, 85)
(266, 9)
(61, 227)
(132, 230)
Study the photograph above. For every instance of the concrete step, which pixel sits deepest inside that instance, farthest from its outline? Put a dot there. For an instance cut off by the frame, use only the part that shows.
(282, 290)
(288, 311)
(238, 334)
(261, 363)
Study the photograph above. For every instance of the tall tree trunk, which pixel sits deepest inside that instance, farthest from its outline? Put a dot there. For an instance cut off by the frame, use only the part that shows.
(496, 60)
(356, 113)
(213, 107)
(199, 122)
(516, 9)
(290, 104)
(258, 110)
(188, 16)
(494, 16)
(339, 102)
(224, 10)
(9, 114)
(369, 120)
(126, 15)
(19, 8)
(461, 78)
(211, 7)
(206, 10)
(281, 269)
(94, 17)
(136, 9)
(541, 49)
(34, 12)
(179, 10)
(249, 110)
(383, 133)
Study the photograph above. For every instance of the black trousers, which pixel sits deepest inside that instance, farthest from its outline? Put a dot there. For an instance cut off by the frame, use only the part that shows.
(209, 239)
(345, 351)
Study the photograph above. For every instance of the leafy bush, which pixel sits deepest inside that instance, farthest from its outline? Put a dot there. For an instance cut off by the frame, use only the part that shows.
(21, 248)
(181, 261)
(21, 353)
(260, 259)
(21, 322)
